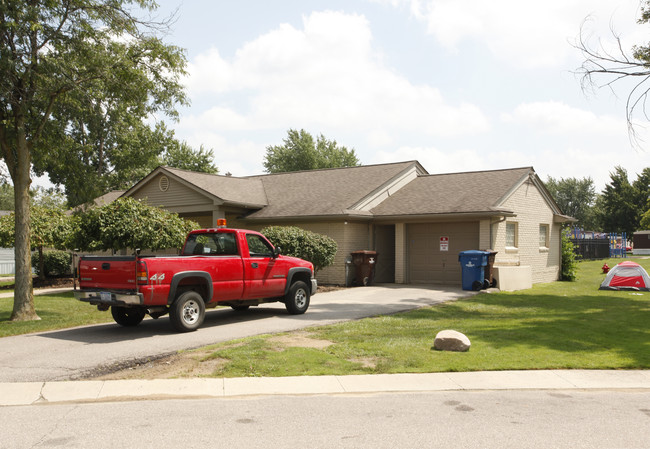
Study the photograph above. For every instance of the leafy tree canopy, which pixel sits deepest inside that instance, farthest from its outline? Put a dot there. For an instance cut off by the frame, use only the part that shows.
(128, 223)
(300, 152)
(181, 155)
(51, 228)
(618, 212)
(317, 248)
(77, 80)
(576, 198)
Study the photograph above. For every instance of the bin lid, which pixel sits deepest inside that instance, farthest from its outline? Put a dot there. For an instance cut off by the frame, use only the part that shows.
(473, 252)
(365, 251)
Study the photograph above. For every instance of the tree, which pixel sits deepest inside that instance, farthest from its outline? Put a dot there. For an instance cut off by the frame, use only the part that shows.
(576, 198)
(317, 248)
(618, 66)
(64, 67)
(619, 212)
(300, 152)
(641, 188)
(51, 228)
(183, 156)
(128, 223)
(569, 260)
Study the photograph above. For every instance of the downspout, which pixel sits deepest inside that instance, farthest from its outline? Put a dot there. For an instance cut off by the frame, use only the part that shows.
(492, 224)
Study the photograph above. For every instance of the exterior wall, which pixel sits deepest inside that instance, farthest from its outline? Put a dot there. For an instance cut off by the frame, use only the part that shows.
(349, 237)
(428, 262)
(532, 210)
(484, 235)
(400, 253)
(177, 198)
(7, 261)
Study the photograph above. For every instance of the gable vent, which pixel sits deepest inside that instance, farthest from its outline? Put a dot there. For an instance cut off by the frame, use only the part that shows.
(163, 183)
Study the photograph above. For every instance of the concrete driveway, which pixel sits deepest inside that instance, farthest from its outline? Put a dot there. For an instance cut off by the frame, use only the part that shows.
(70, 353)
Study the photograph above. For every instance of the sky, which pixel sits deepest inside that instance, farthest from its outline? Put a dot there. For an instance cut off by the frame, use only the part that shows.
(459, 85)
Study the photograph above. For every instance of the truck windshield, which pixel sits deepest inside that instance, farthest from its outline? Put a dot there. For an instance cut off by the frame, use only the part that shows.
(221, 244)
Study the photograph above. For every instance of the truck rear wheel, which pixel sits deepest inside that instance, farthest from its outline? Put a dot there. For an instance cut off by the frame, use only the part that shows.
(126, 316)
(187, 312)
(297, 300)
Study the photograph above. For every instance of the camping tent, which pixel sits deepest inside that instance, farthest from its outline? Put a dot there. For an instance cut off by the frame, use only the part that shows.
(626, 276)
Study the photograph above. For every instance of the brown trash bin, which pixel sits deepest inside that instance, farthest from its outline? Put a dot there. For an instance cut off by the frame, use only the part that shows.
(489, 269)
(364, 262)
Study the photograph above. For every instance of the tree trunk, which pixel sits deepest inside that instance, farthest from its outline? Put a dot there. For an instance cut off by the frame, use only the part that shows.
(23, 294)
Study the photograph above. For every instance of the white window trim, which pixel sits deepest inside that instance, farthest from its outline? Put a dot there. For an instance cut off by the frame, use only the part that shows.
(512, 249)
(544, 249)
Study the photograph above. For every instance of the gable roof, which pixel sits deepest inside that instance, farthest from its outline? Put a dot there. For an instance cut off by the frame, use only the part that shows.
(247, 192)
(328, 192)
(400, 189)
(455, 193)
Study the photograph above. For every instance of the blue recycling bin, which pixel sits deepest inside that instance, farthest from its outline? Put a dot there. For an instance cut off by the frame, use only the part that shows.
(473, 264)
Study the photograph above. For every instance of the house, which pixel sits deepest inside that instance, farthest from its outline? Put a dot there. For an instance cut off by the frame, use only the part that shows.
(417, 222)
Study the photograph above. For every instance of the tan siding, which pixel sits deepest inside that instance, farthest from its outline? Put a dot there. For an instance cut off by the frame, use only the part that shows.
(177, 195)
(335, 273)
(484, 240)
(400, 253)
(204, 221)
(532, 210)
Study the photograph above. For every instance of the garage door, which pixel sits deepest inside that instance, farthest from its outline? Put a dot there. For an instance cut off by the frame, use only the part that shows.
(428, 262)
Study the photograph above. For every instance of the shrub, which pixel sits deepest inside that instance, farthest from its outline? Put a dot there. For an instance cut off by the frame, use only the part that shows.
(55, 263)
(569, 260)
(317, 248)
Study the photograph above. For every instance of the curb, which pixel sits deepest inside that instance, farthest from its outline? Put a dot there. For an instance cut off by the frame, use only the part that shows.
(37, 393)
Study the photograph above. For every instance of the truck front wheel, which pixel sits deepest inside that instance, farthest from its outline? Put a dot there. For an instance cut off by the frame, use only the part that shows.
(297, 300)
(127, 317)
(187, 312)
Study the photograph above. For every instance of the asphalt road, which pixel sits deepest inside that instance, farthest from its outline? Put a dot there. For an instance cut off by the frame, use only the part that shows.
(459, 419)
(71, 353)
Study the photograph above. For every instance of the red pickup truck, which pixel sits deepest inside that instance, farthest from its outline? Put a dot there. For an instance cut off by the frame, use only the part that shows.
(217, 267)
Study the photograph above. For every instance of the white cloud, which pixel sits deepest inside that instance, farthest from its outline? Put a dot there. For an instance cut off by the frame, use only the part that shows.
(558, 118)
(523, 33)
(325, 75)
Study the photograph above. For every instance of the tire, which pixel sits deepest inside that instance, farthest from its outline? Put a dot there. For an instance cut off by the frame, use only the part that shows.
(297, 300)
(127, 316)
(477, 285)
(187, 312)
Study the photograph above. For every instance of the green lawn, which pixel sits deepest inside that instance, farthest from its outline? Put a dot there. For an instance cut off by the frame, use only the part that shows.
(57, 311)
(557, 325)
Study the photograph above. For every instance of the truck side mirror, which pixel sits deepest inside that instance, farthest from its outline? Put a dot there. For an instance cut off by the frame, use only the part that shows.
(276, 252)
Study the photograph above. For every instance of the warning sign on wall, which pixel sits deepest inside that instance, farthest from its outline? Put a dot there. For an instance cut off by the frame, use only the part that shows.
(444, 243)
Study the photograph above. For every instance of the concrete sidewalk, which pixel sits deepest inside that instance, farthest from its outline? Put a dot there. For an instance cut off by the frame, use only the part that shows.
(33, 393)
(40, 291)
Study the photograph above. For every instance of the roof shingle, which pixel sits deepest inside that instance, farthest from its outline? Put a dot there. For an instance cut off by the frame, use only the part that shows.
(470, 192)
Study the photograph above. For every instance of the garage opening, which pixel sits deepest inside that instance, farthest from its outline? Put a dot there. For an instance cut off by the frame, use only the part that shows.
(433, 250)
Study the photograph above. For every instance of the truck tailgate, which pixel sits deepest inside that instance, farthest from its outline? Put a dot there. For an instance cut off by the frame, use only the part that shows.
(107, 272)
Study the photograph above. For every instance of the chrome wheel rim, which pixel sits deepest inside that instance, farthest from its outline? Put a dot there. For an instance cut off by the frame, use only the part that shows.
(301, 298)
(191, 312)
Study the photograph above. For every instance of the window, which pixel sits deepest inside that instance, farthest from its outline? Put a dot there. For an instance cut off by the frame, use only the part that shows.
(511, 235)
(221, 244)
(543, 236)
(258, 247)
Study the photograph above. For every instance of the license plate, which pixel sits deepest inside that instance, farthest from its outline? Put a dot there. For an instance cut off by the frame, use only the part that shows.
(105, 296)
